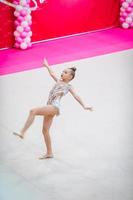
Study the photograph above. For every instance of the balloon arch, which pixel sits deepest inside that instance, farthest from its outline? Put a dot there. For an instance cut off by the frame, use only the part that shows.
(126, 14)
(23, 21)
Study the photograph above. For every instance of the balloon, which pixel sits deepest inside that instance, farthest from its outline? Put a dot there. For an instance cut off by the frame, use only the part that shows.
(29, 44)
(27, 29)
(27, 39)
(23, 13)
(23, 3)
(129, 20)
(30, 33)
(20, 18)
(17, 45)
(129, 9)
(24, 23)
(18, 8)
(16, 23)
(131, 25)
(122, 19)
(16, 14)
(20, 29)
(124, 4)
(128, 1)
(16, 33)
(28, 17)
(23, 34)
(125, 14)
(29, 11)
(23, 45)
(131, 5)
(125, 25)
(131, 14)
(19, 39)
(15, 2)
(122, 9)
(30, 22)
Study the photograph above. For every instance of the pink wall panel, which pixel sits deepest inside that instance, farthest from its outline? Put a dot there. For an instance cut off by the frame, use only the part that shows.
(62, 17)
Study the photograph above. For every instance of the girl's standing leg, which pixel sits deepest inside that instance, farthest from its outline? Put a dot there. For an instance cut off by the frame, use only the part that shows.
(47, 122)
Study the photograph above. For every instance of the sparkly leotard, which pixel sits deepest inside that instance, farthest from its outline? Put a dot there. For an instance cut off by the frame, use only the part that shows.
(57, 92)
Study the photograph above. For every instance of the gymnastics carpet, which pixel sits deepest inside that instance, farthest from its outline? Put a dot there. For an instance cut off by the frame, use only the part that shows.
(93, 154)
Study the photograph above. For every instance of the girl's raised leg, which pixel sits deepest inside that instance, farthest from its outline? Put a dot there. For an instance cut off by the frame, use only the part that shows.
(47, 110)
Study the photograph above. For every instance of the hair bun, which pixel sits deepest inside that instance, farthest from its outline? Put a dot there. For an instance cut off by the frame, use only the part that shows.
(74, 68)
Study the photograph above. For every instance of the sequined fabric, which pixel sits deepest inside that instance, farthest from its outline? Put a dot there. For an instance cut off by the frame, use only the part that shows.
(57, 92)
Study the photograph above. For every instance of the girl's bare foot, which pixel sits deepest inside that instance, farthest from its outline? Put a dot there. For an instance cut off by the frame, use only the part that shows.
(46, 156)
(19, 135)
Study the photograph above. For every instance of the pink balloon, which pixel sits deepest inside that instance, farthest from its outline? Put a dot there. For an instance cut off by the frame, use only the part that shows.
(16, 23)
(20, 18)
(129, 9)
(30, 22)
(19, 39)
(17, 45)
(23, 45)
(23, 34)
(27, 29)
(131, 5)
(15, 2)
(125, 15)
(131, 25)
(16, 13)
(122, 19)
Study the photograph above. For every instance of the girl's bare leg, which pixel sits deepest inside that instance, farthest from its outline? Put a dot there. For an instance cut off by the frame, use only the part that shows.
(47, 110)
(47, 122)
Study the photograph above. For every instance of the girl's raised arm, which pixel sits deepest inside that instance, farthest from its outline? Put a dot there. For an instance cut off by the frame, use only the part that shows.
(71, 90)
(45, 63)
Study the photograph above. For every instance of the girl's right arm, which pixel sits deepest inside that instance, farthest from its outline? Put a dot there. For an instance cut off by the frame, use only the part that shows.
(45, 63)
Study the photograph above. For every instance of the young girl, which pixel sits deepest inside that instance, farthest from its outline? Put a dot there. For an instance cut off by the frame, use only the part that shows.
(61, 88)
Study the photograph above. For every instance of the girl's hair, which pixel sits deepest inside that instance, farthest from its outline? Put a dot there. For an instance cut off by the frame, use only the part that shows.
(73, 70)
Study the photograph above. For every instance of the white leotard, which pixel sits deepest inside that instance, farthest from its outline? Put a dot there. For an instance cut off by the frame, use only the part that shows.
(57, 92)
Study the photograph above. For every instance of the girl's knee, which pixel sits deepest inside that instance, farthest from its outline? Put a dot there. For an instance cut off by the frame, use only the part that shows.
(32, 111)
(45, 131)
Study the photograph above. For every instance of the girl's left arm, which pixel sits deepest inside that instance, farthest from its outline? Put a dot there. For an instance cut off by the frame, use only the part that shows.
(72, 91)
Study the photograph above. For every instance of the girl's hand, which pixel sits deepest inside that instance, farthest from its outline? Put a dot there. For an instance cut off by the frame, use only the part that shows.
(89, 108)
(45, 63)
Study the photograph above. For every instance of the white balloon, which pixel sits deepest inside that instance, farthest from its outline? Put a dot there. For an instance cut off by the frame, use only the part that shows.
(125, 5)
(20, 28)
(122, 9)
(29, 11)
(27, 39)
(19, 8)
(30, 33)
(23, 2)
(23, 45)
(24, 23)
(129, 20)
(28, 17)
(16, 33)
(16, 13)
(125, 25)
(129, 1)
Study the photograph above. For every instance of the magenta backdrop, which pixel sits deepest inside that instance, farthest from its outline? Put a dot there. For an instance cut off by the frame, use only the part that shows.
(62, 17)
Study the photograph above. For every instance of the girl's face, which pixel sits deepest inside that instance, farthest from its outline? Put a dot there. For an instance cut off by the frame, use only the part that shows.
(66, 75)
